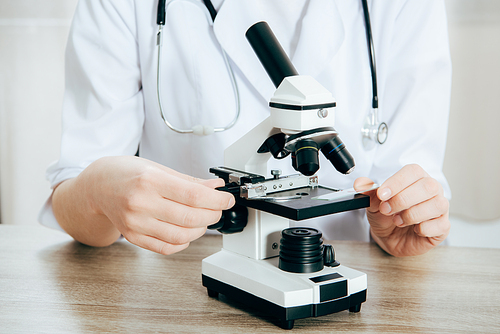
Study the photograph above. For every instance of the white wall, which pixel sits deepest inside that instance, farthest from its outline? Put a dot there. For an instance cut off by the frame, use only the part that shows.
(472, 163)
(32, 40)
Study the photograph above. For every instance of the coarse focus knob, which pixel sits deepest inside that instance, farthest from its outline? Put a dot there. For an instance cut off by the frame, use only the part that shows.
(301, 250)
(233, 220)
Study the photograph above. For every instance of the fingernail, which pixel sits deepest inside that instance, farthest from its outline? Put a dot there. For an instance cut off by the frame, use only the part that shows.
(398, 221)
(384, 193)
(385, 208)
(231, 203)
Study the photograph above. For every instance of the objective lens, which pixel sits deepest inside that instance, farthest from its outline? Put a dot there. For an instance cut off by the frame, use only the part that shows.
(335, 151)
(305, 159)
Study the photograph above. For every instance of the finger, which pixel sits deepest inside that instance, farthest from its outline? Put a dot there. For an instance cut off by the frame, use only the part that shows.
(362, 183)
(153, 244)
(430, 209)
(194, 194)
(172, 172)
(422, 190)
(380, 225)
(186, 189)
(169, 233)
(434, 228)
(211, 183)
(408, 175)
(178, 214)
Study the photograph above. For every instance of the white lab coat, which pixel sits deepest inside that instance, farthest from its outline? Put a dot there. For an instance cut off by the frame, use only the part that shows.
(110, 105)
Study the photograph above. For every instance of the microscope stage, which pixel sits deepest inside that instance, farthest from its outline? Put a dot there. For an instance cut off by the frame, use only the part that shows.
(306, 206)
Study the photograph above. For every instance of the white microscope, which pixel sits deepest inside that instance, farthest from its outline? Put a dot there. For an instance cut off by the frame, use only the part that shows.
(285, 272)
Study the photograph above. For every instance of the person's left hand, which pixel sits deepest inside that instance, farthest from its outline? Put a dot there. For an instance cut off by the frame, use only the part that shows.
(408, 214)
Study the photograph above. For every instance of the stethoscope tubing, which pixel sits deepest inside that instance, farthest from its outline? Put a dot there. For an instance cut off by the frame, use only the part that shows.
(211, 13)
(161, 20)
(371, 53)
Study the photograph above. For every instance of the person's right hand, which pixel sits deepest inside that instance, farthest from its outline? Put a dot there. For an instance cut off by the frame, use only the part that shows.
(151, 205)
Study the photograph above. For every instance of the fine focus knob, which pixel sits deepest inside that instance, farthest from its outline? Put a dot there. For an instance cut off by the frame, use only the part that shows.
(329, 256)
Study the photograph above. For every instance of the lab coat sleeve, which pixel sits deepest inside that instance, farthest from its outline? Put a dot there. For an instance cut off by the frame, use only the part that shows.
(103, 111)
(415, 99)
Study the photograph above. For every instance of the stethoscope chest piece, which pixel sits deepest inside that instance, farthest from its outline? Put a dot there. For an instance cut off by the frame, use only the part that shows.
(373, 132)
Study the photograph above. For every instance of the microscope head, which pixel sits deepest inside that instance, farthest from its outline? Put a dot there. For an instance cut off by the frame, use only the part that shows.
(301, 108)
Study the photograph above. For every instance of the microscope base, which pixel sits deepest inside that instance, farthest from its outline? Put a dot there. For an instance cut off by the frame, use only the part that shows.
(286, 296)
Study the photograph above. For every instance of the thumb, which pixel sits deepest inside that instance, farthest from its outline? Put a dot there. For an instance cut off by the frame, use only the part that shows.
(365, 183)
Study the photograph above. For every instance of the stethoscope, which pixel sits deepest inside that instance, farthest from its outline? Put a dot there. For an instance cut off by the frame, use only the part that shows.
(372, 132)
(201, 130)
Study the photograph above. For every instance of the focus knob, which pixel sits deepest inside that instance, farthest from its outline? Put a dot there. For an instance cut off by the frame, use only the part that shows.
(301, 250)
(329, 256)
(233, 220)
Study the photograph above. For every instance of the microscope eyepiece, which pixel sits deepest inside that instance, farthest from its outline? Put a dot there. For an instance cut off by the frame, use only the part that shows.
(305, 152)
(335, 151)
(305, 157)
(270, 52)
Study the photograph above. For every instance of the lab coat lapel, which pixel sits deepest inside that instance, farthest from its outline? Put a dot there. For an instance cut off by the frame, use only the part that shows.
(232, 21)
(322, 34)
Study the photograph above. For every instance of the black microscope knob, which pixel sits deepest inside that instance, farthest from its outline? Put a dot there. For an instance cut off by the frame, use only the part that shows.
(301, 250)
(233, 220)
(329, 256)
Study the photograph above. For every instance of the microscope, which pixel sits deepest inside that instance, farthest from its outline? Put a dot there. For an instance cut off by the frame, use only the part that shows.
(286, 272)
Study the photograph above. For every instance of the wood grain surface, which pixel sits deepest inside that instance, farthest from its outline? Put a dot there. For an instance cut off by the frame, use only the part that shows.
(52, 284)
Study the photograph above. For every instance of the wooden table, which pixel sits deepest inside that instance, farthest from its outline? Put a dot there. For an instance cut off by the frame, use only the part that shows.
(50, 284)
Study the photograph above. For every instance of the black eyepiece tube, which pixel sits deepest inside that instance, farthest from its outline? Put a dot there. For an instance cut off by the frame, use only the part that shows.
(272, 56)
